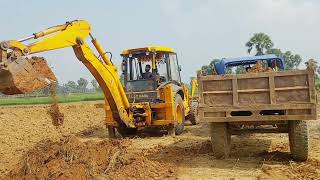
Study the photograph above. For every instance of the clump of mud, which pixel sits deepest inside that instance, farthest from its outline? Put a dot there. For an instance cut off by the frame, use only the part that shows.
(41, 66)
(73, 158)
(54, 111)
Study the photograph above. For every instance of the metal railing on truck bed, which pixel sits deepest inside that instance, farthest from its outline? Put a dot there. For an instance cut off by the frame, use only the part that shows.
(267, 96)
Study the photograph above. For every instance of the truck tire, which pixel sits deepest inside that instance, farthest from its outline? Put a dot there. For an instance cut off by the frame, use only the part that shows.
(299, 140)
(180, 118)
(193, 113)
(220, 139)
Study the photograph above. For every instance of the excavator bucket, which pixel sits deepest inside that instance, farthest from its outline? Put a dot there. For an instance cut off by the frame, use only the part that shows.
(25, 76)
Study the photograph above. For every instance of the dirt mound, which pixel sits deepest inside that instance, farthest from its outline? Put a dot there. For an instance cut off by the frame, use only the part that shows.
(73, 158)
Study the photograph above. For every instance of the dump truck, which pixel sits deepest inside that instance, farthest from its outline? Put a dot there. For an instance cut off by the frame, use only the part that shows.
(270, 101)
(161, 101)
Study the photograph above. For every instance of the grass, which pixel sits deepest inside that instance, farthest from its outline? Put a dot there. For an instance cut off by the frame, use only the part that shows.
(47, 100)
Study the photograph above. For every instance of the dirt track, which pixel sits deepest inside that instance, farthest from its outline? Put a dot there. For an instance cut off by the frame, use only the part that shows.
(184, 157)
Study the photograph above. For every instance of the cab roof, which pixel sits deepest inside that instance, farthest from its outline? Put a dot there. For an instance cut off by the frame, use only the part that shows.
(149, 49)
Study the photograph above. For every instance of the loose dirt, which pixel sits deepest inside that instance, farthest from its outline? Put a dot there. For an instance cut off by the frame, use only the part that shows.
(81, 145)
(73, 158)
(54, 110)
(41, 66)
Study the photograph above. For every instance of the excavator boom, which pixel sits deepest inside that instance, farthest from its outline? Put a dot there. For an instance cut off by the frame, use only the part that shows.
(18, 75)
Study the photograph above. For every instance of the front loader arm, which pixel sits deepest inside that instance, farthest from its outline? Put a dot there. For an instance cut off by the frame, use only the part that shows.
(73, 34)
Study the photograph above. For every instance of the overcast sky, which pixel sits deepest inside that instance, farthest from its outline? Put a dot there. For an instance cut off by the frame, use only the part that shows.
(199, 30)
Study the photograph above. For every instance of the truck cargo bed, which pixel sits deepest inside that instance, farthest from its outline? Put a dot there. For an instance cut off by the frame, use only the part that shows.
(267, 96)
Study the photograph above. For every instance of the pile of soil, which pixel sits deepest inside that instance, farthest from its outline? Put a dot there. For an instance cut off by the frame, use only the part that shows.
(41, 66)
(73, 158)
(258, 67)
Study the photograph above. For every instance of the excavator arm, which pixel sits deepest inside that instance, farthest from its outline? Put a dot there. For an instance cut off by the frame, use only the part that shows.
(72, 34)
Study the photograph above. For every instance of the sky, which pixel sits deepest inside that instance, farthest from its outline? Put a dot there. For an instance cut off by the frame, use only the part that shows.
(199, 30)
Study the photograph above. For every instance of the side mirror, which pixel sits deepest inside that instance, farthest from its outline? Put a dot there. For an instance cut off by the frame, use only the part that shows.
(179, 68)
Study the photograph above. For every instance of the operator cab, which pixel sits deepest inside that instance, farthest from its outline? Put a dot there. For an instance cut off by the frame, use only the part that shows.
(146, 69)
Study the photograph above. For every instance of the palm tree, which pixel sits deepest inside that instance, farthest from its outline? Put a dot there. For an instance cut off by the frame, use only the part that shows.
(261, 42)
(292, 61)
(275, 51)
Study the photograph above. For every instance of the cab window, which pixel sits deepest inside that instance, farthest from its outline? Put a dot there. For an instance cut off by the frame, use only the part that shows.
(175, 74)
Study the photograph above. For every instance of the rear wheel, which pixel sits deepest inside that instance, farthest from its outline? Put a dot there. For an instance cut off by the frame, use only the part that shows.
(180, 118)
(220, 139)
(299, 140)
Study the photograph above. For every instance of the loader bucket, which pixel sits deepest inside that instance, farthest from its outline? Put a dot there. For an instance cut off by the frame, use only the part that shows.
(25, 76)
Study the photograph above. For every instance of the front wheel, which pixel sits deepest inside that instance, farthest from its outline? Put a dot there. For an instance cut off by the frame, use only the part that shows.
(180, 118)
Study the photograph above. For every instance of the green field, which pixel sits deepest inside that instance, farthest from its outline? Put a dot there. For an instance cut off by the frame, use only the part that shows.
(47, 100)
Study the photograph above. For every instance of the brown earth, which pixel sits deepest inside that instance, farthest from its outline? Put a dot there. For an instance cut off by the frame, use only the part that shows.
(40, 65)
(31, 146)
(54, 110)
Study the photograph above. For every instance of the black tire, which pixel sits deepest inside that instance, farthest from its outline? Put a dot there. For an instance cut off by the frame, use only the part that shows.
(178, 103)
(220, 139)
(299, 140)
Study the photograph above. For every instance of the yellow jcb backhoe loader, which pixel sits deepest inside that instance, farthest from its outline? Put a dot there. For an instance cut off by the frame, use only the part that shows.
(168, 108)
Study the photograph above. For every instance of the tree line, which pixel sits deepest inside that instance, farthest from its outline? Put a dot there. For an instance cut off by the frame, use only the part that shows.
(79, 86)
